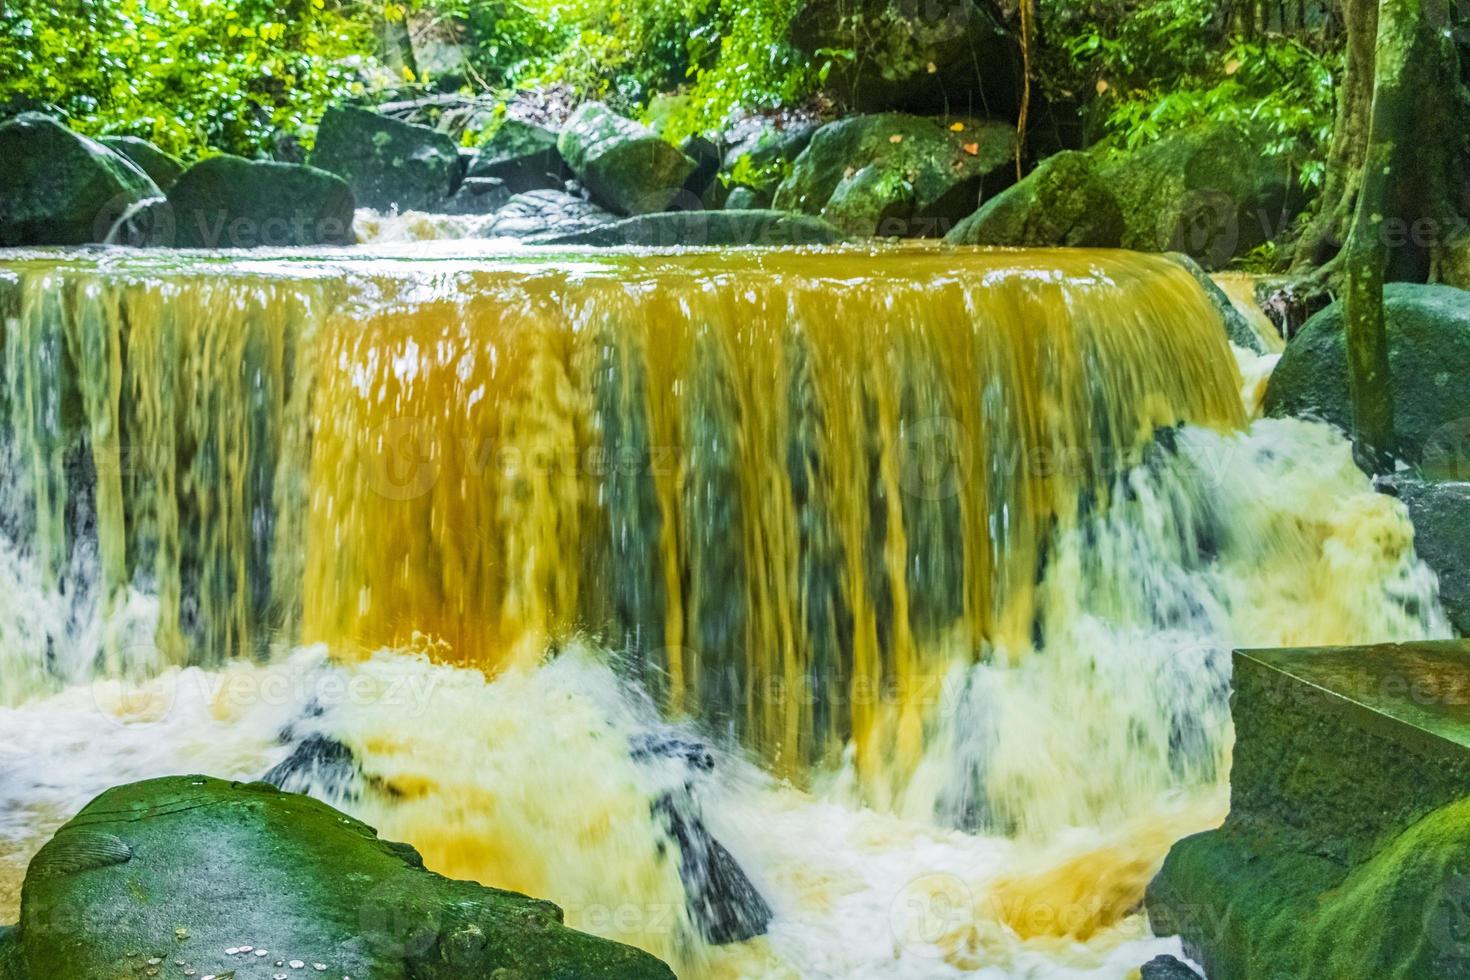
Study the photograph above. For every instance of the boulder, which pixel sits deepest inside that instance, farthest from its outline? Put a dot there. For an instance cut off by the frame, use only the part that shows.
(707, 158)
(1440, 511)
(1429, 356)
(231, 202)
(1238, 329)
(625, 166)
(896, 174)
(743, 198)
(918, 57)
(1210, 191)
(696, 228)
(541, 213)
(61, 188)
(188, 869)
(1166, 968)
(1062, 202)
(524, 156)
(1346, 852)
(160, 167)
(388, 163)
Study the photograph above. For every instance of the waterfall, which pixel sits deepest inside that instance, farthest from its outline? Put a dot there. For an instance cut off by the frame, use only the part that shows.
(955, 539)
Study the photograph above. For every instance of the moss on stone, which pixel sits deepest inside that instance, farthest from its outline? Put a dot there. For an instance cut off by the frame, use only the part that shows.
(1429, 355)
(1061, 202)
(60, 188)
(231, 202)
(188, 867)
(387, 162)
(948, 165)
(627, 167)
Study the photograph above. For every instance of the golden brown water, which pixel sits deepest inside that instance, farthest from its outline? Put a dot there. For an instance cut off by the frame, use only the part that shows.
(955, 541)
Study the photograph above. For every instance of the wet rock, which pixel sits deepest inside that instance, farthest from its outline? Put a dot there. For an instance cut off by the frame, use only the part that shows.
(478, 195)
(1429, 356)
(524, 156)
(388, 163)
(918, 57)
(1167, 968)
(228, 877)
(60, 188)
(1211, 192)
(321, 765)
(1237, 328)
(147, 224)
(1063, 202)
(231, 202)
(160, 167)
(1441, 515)
(546, 213)
(747, 199)
(695, 228)
(723, 902)
(893, 174)
(625, 166)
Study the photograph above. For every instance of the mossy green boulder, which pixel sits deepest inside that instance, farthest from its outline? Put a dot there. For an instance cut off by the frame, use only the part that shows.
(189, 873)
(523, 156)
(1346, 853)
(1063, 202)
(60, 188)
(895, 174)
(1429, 357)
(387, 162)
(231, 202)
(1211, 192)
(626, 166)
(160, 167)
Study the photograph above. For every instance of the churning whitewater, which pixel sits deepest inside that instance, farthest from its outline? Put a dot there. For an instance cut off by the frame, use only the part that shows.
(904, 584)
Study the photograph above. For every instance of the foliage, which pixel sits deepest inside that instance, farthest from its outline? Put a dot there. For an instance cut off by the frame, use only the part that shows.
(1158, 66)
(186, 74)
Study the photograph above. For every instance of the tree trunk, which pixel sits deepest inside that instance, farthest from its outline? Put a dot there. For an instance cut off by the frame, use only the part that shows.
(1395, 188)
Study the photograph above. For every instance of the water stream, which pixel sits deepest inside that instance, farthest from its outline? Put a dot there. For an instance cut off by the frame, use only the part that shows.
(912, 576)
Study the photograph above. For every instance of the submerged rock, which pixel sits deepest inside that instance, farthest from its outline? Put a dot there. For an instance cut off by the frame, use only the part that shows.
(1428, 352)
(918, 57)
(387, 162)
(60, 188)
(626, 166)
(220, 876)
(695, 228)
(1062, 202)
(893, 174)
(524, 156)
(545, 213)
(231, 202)
(1211, 192)
(160, 167)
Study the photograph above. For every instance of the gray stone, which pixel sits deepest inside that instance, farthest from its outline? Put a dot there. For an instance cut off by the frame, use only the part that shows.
(705, 228)
(231, 202)
(626, 167)
(388, 163)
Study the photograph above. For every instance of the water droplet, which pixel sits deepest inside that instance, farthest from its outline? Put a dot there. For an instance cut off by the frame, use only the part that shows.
(297, 964)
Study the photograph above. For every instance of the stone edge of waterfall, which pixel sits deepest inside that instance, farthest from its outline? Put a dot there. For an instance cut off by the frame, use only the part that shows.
(1345, 849)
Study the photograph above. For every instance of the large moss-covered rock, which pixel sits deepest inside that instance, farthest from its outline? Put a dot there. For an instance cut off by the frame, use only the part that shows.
(1429, 357)
(60, 188)
(919, 57)
(1211, 192)
(226, 877)
(1062, 202)
(160, 167)
(626, 166)
(524, 156)
(387, 162)
(231, 202)
(1346, 853)
(895, 174)
(700, 228)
